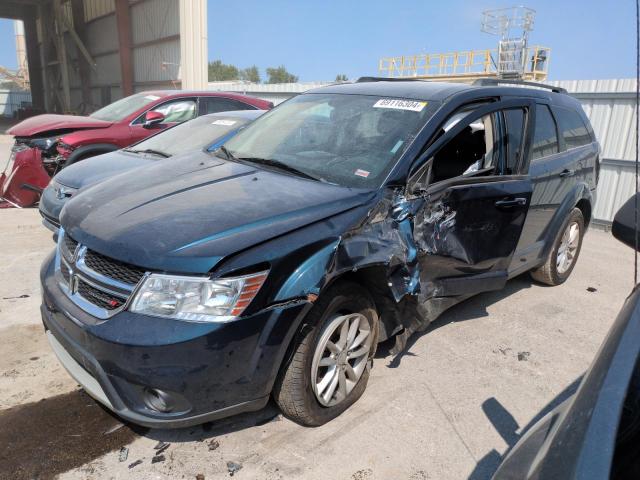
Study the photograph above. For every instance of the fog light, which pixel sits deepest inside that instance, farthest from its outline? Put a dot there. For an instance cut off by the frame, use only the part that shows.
(157, 400)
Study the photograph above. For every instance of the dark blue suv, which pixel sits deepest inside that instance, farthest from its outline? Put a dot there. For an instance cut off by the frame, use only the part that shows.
(274, 265)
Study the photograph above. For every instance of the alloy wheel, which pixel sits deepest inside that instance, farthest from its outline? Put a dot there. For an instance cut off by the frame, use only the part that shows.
(340, 358)
(568, 247)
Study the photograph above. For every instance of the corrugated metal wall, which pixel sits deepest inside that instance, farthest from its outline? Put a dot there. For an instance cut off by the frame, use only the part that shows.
(273, 92)
(11, 101)
(610, 105)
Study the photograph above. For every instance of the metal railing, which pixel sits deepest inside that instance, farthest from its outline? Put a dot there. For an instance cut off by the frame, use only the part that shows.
(469, 65)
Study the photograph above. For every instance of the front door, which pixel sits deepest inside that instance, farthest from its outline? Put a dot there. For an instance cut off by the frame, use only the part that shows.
(475, 201)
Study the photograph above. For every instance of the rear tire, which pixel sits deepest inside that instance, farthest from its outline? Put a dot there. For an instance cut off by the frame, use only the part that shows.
(322, 359)
(565, 251)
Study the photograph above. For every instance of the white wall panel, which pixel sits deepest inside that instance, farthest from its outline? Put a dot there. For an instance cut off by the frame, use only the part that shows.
(154, 20)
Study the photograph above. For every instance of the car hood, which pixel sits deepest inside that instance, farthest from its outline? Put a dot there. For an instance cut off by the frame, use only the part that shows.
(95, 169)
(50, 123)
(185, 214)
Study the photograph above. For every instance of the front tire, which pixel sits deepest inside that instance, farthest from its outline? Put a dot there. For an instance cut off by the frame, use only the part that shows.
(564, 254)
(329, 369)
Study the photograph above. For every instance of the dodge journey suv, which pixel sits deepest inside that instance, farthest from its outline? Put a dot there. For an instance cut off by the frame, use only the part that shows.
(273, 266)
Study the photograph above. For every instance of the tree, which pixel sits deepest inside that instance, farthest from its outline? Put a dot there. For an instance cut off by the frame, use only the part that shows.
(251, 74)
(280, 75)
(219, 71)
(341, 77)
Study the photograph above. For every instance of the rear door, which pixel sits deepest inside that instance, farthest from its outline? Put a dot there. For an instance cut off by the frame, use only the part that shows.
(475, 201)
(554, 174)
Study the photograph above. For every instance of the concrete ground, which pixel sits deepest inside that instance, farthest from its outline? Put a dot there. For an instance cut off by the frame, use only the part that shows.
(446, 408)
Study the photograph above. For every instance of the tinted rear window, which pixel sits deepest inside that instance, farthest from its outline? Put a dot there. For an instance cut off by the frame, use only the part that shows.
(572, 127)
(545, 138)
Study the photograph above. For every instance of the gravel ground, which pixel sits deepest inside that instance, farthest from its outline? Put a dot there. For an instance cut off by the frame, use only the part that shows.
(447, 408)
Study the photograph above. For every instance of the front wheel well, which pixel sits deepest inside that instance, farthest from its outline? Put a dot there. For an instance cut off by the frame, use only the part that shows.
(374, 279)
(585, 207)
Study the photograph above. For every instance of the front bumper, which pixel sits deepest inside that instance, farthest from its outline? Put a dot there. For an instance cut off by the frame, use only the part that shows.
(210, 371)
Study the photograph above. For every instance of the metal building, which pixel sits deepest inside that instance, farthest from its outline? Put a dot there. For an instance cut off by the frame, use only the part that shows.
(610, 105)
(83, 54)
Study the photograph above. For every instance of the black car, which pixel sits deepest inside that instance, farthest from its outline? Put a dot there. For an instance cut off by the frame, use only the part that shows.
(208, 131)
(345, 216)
(595, 433)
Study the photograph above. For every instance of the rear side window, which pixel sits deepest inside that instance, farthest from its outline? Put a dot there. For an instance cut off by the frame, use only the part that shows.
(545, 137)
(572, 127)
(514, 119)
(220, 104)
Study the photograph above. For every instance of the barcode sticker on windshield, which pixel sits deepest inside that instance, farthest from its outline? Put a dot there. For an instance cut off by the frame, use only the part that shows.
(361, 173)
(226, 123)
(400, 104)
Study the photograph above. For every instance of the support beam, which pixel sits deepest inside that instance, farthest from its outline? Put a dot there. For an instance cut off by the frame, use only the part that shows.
(123, 18)
(85, 61)
(62, 55)
(36, 78)
(193, 44)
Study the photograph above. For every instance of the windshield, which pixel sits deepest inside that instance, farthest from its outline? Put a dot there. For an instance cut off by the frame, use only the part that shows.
(124, 107)
(350, 140)
(192, 135)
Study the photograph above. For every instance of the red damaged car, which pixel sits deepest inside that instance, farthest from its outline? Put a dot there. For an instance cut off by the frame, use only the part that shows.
(46, 143)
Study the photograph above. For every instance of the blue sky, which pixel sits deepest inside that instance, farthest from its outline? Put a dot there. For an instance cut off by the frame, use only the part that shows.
(317, 40)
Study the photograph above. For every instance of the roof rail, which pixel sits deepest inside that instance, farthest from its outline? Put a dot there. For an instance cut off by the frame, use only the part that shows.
(497, 81)
(387, 79)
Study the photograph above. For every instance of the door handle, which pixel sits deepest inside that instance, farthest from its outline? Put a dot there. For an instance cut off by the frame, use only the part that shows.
(567, 173)
(511, 202)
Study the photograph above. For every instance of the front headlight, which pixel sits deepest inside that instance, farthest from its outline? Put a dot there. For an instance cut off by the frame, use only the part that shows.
(196, 299)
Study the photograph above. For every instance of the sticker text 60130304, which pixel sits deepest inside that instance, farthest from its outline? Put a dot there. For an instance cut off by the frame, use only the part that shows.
(396, 104)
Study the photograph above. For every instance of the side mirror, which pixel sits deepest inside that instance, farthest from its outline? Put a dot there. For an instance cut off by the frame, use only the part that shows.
(623, 226)
(152, 118)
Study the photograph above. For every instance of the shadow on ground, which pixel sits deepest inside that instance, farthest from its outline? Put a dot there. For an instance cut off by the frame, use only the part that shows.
(45, 438)
(507, 426)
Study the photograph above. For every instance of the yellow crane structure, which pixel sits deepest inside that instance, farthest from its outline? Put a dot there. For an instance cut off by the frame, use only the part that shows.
(513, 59)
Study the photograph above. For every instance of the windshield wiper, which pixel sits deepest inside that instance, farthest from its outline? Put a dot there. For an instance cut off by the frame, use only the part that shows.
(149, 150)
(227, 153)
(279, 165)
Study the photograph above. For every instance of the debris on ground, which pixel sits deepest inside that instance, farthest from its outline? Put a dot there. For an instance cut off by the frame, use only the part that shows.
(158, 459)
(115, 428)
(124, 453)
(503, 351)
(200, 476)
(13, 298)
(213, 444)
(523, 356)
(161, 447)
(233, 467)
(33, 358)
(592, 289)
(135, 464)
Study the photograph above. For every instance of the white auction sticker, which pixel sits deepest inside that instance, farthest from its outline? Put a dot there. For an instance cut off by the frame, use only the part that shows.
(152, 97)
(396, 104)
(226, 123)
(361, 173)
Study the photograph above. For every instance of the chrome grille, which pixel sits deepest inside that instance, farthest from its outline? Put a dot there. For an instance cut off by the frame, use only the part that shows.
(99, 297)
(69, 246)
(113, 268)
(96, 283)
